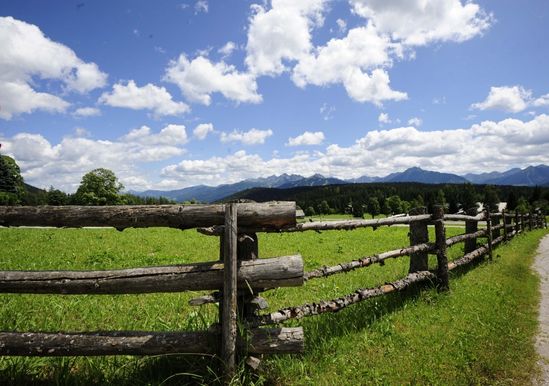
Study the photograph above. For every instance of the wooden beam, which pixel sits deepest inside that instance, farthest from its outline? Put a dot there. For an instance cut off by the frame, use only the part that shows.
(229, 305)
(260, 273)
(260, 341)
(271, 215)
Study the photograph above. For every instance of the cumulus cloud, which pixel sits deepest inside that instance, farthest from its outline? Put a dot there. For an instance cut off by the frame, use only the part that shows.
(419, 22)
(199, 78)
(355, 61)
(342, 25)
(415, 121)
(380, 152)
(250, 137)
(510, 99)
(149, 97)
(27, 55)
(87, 112)
(307, 138)
(542, 101)
(383, 118)
(227, 49)
(201, 6)
(202, 130)
(63, 164)
(281, 33)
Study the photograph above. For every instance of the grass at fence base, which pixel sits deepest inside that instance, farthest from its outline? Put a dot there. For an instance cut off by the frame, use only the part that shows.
(481, 332)
(395, 339)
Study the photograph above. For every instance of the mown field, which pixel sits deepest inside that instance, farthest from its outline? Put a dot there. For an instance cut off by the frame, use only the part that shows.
(478, 333)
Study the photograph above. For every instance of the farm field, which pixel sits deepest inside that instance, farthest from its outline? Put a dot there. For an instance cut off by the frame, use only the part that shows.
(480, 332)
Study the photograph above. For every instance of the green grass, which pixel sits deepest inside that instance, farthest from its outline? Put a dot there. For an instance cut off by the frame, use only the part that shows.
(478, 333)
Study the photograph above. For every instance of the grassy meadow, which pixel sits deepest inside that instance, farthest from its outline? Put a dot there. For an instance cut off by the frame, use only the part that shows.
(478, 333)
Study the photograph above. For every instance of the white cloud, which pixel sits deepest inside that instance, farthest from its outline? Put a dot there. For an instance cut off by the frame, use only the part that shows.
(327, 111)
(202, 130)
(542, 101)
(282, 33)
(511, 99)
(380, 152)
(383, 118)
(62, 165)
(415, 121)
(227, 49)
(18, 97)
(348, 61)
(342, 25)
(169, 135)
(201, 6)
(87, 112)
(307, 138)
(199, 78)
(149, 97)
(419, 22)
(250, 137)
(28, 55)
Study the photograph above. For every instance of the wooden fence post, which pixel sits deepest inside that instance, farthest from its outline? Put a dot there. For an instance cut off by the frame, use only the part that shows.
(229, 305)
(442, 259)
(489, 233)
(471, 226)
(517, 222)
(248, 249)
(505, 222)
(496, 232)
(419, 234)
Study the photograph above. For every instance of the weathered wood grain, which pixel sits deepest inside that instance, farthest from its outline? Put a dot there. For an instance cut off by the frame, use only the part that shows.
(260, 341)
(269, 215)
(260, 273)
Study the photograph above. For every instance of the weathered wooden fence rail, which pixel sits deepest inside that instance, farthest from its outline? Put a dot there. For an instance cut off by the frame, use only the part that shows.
(238, 277)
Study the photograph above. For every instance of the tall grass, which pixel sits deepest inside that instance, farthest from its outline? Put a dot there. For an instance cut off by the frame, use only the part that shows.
(471, 334)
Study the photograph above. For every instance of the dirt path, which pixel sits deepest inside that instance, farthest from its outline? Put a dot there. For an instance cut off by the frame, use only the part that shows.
(541, 265)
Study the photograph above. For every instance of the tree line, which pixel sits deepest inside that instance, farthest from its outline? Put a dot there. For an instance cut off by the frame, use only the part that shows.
(393, 198)
(98, 187)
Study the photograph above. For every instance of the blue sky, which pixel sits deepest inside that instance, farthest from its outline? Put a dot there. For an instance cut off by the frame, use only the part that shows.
(170, 94)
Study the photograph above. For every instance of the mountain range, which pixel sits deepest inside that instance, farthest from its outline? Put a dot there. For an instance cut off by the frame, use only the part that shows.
(530, 176)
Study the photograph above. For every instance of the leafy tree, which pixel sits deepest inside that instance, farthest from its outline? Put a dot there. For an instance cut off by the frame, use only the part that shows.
(99, 187)
(523, 206)
(512, 200)
(394, 203)
(56, 197)
(310, 211)
(440, 198)
(324, 208)
(469, 197)
(358, 210)
(490, 199)
(373, 206)
(12, 188)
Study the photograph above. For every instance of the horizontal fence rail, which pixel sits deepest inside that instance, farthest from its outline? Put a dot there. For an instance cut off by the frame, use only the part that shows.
(268, 215)
(259, 341)
(284, 271)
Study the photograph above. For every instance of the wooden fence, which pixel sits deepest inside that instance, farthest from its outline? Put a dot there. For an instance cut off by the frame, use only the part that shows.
(237, 278)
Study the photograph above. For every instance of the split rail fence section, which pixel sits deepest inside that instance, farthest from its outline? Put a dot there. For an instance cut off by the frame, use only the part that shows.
(238, 278)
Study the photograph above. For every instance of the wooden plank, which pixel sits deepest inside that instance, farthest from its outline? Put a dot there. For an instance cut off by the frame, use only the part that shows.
(271, 215)
(260, 341)
(229, 305)
(260, 273)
